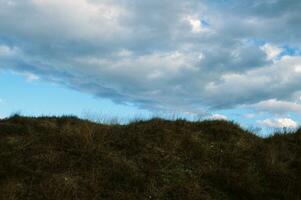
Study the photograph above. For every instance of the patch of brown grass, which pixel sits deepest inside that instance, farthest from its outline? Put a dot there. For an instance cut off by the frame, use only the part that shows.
(68, 158)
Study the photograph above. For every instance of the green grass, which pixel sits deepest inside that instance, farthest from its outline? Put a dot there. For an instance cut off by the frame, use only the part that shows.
(69, 158)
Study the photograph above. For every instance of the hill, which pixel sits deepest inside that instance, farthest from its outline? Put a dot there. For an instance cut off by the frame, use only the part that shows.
(69, 158)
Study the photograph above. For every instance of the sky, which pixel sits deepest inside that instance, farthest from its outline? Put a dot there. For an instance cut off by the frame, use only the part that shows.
(221, 59)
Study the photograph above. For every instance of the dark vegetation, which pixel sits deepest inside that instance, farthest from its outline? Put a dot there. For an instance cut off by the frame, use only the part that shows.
(68, 158)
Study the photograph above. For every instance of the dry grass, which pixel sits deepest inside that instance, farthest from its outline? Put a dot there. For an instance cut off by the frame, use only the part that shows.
(68, 158)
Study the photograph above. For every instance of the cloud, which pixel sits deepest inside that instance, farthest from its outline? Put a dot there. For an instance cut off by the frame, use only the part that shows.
(271, 51)
(197, 26)
(278, 107)
(6, 51)
(186, 56)
(218, 117)
(30, 77)
(279, 123)
(249, 115)
(278, 80)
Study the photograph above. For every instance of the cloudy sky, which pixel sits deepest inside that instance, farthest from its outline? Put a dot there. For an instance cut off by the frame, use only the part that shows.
(234, 59)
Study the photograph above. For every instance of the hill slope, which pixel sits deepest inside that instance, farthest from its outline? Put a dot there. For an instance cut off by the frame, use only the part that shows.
(69, 158)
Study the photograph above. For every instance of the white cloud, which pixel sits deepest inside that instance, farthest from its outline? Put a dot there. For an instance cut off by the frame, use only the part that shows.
(6, 50)
(196, 24)
(278, 107)
(279, 123)
(218, 117)
(124, 53)
(30, 77)
(271, 51)
(249, 115)
(298, 68)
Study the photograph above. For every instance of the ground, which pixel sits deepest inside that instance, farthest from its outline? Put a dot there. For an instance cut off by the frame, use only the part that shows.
(69, 158)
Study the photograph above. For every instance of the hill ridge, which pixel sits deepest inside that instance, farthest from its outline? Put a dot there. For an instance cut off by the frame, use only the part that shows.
(70, 158)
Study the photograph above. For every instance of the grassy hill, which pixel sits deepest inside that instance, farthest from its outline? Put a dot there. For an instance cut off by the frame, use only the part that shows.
(68, 158)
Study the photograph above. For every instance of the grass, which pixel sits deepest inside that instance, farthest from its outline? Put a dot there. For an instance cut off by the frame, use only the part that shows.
(69, 158)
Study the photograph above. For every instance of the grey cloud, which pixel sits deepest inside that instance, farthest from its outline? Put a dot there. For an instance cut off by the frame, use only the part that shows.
(146, 52)
(279, 80)
(277, 21)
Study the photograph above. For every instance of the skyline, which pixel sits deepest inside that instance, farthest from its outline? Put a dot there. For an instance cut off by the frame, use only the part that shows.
(227, 59)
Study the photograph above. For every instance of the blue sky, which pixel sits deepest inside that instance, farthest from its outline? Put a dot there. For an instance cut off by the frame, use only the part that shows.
(36, 97)
(238, 60)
